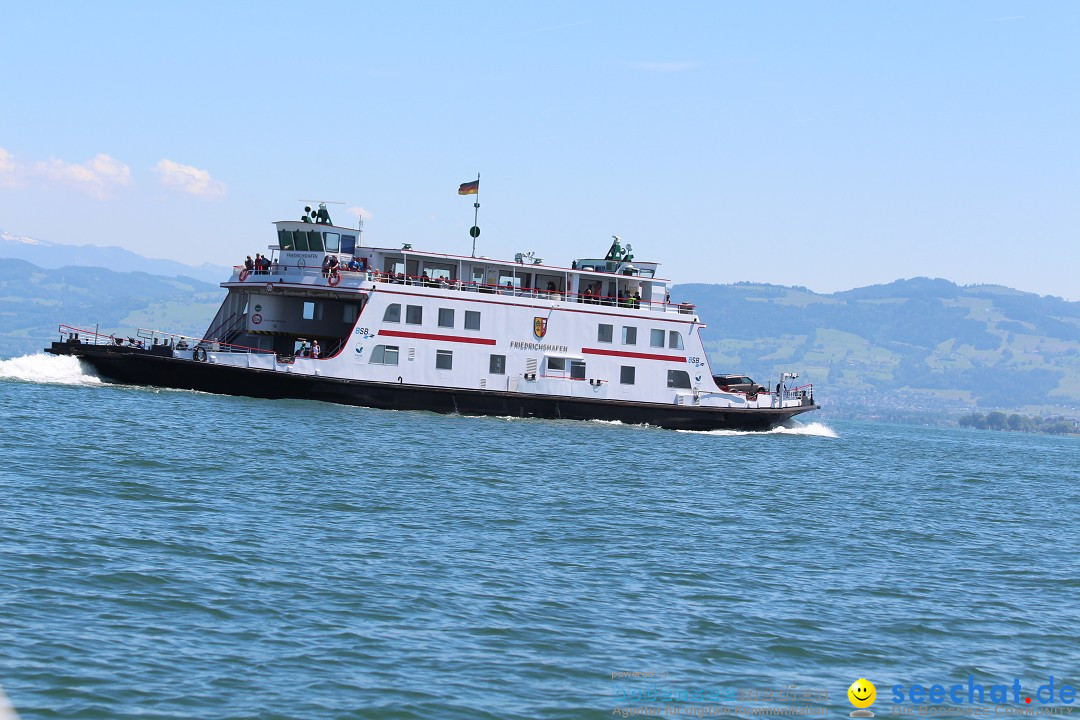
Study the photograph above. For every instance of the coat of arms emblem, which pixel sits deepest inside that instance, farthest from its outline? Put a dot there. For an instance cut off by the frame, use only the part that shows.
(539, 327)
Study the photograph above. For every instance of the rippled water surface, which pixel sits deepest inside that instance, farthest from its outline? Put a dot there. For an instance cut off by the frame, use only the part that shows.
(173, 554)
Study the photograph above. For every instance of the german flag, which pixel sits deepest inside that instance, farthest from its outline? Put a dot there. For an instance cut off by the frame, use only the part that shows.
(469, 188)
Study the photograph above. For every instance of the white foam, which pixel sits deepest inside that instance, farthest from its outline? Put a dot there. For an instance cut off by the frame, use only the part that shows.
(814, 429)
(52, 369)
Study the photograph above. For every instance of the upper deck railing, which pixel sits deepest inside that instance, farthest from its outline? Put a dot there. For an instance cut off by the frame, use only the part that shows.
(346, 278)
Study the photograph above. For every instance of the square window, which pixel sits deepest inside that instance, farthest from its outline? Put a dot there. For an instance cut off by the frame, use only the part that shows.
(675, 340)
(472, 319)
(349, 313)
(498, 365)
(414, 315)
(627, 374)
(446, 317)
(604, 334)
(577, 369)
(384, 355)
(656, 338)
(556, 364)
(629, 336)
(678, 379)
(392, 314)
(444, 360)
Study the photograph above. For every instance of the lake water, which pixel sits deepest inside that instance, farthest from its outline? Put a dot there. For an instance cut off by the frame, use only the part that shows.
(174, 554)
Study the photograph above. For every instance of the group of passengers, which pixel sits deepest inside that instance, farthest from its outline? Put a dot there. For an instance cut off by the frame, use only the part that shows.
(259, 266)
(314, 351)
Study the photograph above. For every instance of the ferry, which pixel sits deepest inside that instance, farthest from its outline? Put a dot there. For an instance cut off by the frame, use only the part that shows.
(323, 318)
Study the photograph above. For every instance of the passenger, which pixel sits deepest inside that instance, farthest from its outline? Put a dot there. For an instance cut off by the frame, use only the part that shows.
(326, 266)
(425, 281)
(315, 349)
(303, 351)
(636, 300)
(552, 290)
(249, 265)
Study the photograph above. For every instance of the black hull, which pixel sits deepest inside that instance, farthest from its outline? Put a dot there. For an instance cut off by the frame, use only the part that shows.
(159, 369)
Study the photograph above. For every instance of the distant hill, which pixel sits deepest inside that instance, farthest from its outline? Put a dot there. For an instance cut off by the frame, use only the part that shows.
(911, 349)
(919, 345)
(35, 300)
(50, 255)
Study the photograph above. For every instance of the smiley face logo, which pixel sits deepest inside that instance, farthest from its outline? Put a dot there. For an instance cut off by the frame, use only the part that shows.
(862, 694)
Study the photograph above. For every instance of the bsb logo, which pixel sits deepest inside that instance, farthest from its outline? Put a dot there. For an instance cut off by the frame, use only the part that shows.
(539, 327)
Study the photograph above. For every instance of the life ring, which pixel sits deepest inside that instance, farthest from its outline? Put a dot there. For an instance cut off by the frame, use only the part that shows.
(199, 355)
(244, 274)
(333, 279)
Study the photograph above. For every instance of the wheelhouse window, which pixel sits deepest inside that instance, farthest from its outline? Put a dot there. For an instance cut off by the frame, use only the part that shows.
(444, 360)
(497, 365)
(675, 340)
(627, 374)
(348, 244)
(656, 338)
(446, 317)
(384, 355)
(414, 315)
(629, 336)
(392, 313)
(577, 369)
(285, 239)
(472, 319)
(332, 241)
(678, 379)
(604, 334)
(314, 240)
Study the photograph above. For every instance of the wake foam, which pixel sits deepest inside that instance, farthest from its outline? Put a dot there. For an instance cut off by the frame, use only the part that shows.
(51, 369)
(814, 429)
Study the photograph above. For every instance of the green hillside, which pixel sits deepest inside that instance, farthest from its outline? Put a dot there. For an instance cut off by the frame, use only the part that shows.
(34, 301)
(908, 349)
(916, 345)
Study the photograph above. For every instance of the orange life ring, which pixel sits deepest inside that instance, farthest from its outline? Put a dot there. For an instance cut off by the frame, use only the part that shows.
(244, 274)
(333, 279)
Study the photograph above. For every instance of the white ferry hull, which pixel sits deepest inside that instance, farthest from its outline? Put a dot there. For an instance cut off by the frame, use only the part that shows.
(160, 369)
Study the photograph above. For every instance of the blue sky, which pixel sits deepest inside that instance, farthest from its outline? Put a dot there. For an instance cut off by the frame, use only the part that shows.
(831, 145)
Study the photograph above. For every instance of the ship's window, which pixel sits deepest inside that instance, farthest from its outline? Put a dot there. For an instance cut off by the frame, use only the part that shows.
(348, 244)
(678, 379)
(444, 360)
(332, 241)
(556, 363)
(675, 340)
(446, 317)
(498, 365)
(414, 315)
(384, 355)
(604, 334)
(392, 314)
(629, 336)
(626, 374)
(313, 310)
(472, 319)
(656, 338)
(314, 240)
(300, 240)
(577, 369)
(349, 313)
(285, 241)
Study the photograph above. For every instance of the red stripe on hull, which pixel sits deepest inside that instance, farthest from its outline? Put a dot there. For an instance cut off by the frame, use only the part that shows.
(637, 355)
(444, 338)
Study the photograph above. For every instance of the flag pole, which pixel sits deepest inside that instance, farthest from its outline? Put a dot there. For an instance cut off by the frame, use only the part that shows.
(475, 230)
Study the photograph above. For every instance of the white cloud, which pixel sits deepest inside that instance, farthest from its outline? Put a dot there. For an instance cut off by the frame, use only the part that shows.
(189, 179)
(362, 213)
(665, 67)
(9, 175)
(96, 177)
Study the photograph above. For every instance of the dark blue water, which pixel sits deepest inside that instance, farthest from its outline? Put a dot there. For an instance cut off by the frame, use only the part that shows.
(174, 555)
